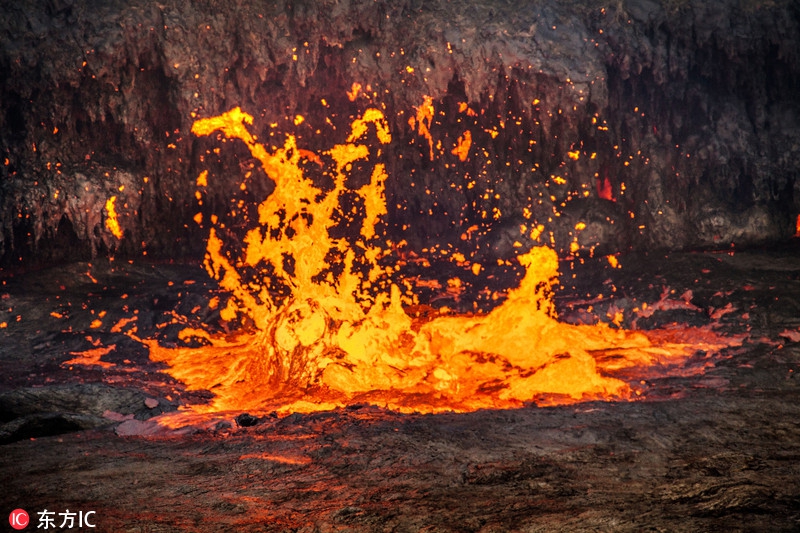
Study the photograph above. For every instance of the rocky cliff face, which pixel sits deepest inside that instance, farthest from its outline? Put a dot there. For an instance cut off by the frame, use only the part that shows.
(658, 124)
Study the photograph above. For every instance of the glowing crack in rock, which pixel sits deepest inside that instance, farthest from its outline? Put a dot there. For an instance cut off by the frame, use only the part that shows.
(336, 333)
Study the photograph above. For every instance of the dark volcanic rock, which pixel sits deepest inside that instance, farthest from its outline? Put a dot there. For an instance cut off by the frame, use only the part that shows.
(89, 398)
(52, 410)
(691, 108)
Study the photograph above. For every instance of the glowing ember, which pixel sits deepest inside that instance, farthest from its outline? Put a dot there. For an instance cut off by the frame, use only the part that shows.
(329, 321)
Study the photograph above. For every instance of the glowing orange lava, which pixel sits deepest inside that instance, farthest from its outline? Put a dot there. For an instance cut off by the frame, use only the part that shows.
(112, 223)
(338, 332)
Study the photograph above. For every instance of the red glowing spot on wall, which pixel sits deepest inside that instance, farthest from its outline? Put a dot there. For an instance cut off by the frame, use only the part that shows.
(604, 189)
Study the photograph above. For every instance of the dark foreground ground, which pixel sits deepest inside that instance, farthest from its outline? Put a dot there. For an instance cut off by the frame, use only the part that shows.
(720, 452)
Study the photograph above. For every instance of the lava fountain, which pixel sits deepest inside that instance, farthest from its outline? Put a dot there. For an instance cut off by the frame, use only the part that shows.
(327, 312)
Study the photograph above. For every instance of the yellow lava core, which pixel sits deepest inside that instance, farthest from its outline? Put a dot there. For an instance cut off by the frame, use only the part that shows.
(339, 332)
(112, 222)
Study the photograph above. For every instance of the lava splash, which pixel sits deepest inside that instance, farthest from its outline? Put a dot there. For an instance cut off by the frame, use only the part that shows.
(328, 317)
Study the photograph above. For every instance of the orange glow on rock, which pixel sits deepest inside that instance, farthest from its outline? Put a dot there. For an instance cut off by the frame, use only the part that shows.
(352, 94)
(422, 122)
(604, 189)
(92, 357)
(338, 332)
(463, 145)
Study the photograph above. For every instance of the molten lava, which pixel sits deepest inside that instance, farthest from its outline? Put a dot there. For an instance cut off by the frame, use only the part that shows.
(329, 325)
(112, 222)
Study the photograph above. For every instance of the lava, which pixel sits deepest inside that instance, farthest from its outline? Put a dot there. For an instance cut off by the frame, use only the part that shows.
(112, 222)
(328, 317)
